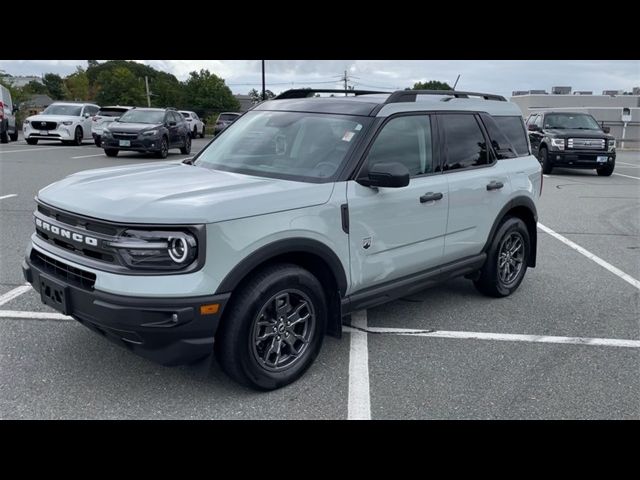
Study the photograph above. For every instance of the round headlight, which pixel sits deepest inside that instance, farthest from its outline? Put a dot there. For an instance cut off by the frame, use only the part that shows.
(178, 249)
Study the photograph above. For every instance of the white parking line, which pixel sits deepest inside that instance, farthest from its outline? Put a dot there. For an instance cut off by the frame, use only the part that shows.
(87, 156)
(2, 152)
(33, 315)
(616, 271)
(8, 196)
(623, 175)
(359, 406)
(11, 294)
(630, 164)
(506, 337)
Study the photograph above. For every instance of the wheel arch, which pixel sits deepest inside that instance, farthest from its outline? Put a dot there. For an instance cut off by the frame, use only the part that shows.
(523, 208)
(309, 254)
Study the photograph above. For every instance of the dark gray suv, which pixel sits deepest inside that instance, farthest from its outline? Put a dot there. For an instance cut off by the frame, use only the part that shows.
(150, 130)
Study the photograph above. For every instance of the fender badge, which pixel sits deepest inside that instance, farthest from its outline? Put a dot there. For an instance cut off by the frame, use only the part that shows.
(366, 242)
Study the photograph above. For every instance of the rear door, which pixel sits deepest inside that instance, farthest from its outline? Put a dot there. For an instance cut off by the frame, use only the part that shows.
(535, 137)
(479, 186)
(392, 233)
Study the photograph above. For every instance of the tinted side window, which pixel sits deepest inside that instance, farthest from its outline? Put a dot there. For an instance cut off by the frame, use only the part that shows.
(531, 119)
(513, 128)
(499, 141)
(464, 142)
(538, 121)
(405, 140)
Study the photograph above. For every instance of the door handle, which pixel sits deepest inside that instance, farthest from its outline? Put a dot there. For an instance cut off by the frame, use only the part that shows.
(495, 185)
(430, 196)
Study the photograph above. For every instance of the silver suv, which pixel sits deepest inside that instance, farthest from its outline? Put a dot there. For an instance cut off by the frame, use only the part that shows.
(302, 211)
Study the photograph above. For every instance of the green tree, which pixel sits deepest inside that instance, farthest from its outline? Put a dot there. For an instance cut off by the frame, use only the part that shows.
(120, 86)
(206, 92)
(55, 85)
(34, 87)
(431, 85)
(77, 86)
(256, 96)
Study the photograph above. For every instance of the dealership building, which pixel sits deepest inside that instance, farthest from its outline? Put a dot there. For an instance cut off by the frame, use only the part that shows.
(620, 112)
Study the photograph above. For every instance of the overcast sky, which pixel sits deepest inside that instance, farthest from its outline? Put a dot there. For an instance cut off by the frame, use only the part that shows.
(491, 76)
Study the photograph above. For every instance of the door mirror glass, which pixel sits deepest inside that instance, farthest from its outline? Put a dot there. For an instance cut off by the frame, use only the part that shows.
(389, 174)
(606, 129)
(532, 127)
(172, 123)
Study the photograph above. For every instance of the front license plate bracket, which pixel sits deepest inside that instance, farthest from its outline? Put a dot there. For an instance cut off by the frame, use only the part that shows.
(55, 294)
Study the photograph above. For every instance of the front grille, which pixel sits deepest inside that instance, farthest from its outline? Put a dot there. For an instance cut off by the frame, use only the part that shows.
(124, 135)
(38, 125)
(61, 270)
(587, 143)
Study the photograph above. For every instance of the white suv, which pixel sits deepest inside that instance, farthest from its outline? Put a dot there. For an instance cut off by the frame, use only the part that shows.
(194, 124)
(66, 121)
(102, 119)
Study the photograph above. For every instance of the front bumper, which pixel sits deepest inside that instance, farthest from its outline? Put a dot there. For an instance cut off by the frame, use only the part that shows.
(170, 331)
(136, 144)
(62, 132)
(580, 158)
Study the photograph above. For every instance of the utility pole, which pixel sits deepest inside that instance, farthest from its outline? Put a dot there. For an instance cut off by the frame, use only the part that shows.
(264, 92)
(345, 79)
(146, 82)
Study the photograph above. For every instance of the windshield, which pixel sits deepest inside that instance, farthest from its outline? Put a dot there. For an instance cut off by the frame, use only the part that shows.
(290, 145)
(143, 116)
(59, 109)
(111, 112)
(570, 121)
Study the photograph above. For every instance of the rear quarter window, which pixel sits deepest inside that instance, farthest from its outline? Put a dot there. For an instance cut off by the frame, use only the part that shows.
(513, 128)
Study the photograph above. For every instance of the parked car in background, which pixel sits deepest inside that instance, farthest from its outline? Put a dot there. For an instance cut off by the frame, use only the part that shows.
(571, 140)
(104, 116)
(224, 120)
(8, 125)
(151, 130)
(195, 125)
(69, 122)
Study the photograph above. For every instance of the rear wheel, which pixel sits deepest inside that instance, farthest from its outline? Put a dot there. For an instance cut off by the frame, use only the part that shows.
(202, 134)
(547, 166)
(194, 134)
(98, 140)
(274, 327)
(186, 150)
(164, 148)
(32, 141)
(111, 152)
(4, 137)
(507, 258)
(14, 136)
(607, 170)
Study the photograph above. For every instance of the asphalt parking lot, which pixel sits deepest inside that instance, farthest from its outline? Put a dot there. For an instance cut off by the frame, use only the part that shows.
(566, 345)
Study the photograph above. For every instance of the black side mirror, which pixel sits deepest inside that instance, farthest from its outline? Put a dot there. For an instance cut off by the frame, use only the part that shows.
(15, 109)
(533, 128)
(172, 124)
(606, 129)
(390, 174)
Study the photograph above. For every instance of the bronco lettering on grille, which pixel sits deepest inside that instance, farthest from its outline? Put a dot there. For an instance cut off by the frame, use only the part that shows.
(61, 232)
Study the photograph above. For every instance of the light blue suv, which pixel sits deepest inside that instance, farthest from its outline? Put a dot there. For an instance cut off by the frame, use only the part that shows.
(302, 211)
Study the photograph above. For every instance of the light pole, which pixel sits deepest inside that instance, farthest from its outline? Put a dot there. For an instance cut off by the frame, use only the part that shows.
(264, 92)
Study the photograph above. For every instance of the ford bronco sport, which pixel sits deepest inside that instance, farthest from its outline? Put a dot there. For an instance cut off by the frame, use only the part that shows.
(302, 211)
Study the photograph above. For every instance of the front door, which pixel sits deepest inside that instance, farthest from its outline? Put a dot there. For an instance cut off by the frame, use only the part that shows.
(396, 232)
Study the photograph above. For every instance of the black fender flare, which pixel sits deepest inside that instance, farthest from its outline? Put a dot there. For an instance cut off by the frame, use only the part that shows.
(282, 247)
(520, 201)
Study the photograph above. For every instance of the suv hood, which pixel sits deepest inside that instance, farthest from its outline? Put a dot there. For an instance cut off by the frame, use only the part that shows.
(577, 133)
(51, 118)
(133, 127)
(176, 193)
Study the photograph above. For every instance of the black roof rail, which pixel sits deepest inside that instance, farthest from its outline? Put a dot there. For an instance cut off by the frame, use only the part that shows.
(410, 95)
(306, 92)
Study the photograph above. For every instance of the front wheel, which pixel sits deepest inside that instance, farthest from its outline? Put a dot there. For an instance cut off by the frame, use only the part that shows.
(507, 259)
(547, 167)
(186, 150)
(607, 170)
(202, 134)
(14, 136)
(32, 141)
(111, 152)
(78, 136)
(273, 329)
(98, 140)
(164, 148)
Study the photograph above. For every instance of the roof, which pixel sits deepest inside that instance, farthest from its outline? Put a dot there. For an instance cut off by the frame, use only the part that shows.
(374, 105)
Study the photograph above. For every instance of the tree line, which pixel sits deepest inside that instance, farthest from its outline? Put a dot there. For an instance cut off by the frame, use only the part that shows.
(122, 82)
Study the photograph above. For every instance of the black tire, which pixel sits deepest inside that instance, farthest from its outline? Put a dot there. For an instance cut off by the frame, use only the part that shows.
(194, 134)
(14, 136)
(186, 150)
(547, 166)
(237, 340)
(98, 141)
(111, 152)
(607, 170)
(78, 135)
(490, 281)
(164, 148)
(202, 134)
(4, 136)
(32, 141)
